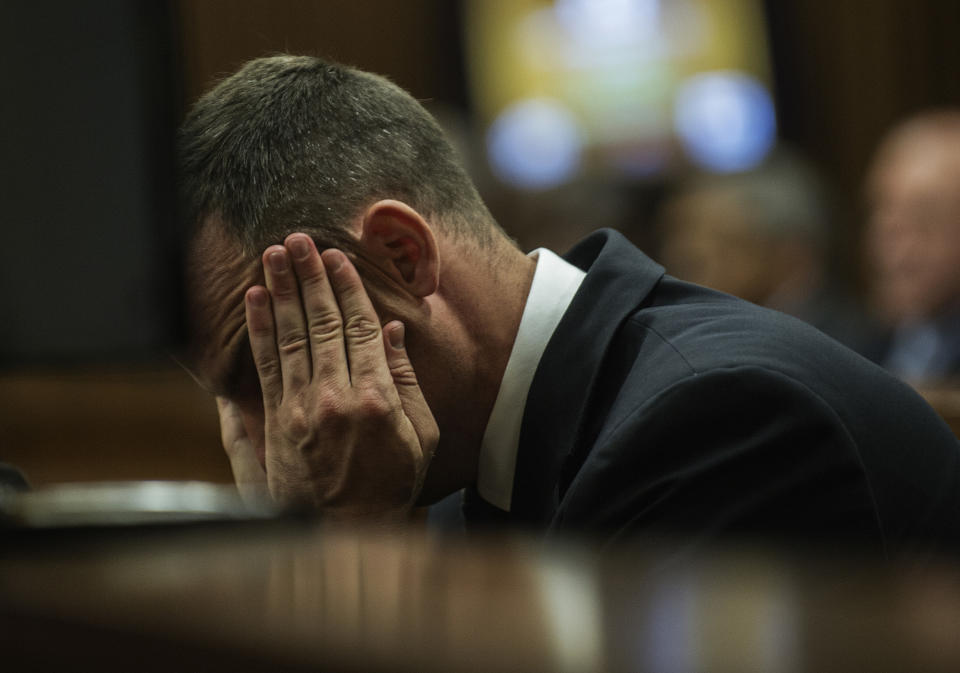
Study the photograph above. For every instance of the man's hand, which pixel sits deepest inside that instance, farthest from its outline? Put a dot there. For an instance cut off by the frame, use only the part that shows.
(347, 429)
(248, 473)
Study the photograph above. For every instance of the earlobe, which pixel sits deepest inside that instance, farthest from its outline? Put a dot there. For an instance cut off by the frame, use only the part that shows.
(402, 243)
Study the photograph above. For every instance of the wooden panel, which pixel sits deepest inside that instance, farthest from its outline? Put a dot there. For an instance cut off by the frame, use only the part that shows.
(414, 43)
(92, 426)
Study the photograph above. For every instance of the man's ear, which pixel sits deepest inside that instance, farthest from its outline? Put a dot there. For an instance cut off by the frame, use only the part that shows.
(403, 245)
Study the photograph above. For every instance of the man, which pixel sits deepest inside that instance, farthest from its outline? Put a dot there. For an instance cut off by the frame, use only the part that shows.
(913, 244)
(420, 352)
(763, 236)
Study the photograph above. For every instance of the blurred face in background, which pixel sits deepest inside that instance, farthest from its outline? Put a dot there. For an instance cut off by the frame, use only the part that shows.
(710, 239)
(913, 238)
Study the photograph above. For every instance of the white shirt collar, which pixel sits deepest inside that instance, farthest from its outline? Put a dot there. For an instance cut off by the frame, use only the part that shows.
(555, 282)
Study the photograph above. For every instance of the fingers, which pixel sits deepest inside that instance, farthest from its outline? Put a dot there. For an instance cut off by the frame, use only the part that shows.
(405, 379)
(291, 328)
(362, 333)
(314, 320)
(248, 474)
(324, 322)
(263, 344)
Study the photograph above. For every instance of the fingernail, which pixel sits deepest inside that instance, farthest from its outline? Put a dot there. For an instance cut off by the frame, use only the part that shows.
(396, 337)
(298, 247)
(278, 261)
(257, 296)
(334, 259)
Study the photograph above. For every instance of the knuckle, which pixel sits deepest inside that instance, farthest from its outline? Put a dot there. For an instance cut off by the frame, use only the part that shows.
(296, 420)
(284, 291)
(333, 414)
(403, 373)
(259, 330)
(361, 329)
(267, 367)
(291, 341)
(374, 407)
(228, 442)
(313, 281)
(326, 326)
(331, 404)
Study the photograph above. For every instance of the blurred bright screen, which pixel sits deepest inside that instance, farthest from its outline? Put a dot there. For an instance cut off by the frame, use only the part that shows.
(640, 87)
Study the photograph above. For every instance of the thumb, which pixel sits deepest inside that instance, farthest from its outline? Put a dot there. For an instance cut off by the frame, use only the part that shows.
(248, 474)
(405, 379)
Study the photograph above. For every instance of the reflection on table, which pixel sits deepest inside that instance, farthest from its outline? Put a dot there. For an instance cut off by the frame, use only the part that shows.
(295, 596)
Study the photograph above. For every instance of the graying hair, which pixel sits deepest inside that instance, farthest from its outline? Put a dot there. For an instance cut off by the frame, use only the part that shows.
(295, 143)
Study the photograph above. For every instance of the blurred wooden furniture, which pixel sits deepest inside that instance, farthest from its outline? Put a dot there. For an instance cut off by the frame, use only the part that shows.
(946, 400)
(295, 597)
(98, 425)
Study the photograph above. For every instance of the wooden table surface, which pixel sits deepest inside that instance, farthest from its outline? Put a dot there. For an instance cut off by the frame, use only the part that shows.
(294, 596)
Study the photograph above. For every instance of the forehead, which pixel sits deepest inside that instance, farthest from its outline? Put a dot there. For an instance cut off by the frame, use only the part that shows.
(218, 275)
(918, 163)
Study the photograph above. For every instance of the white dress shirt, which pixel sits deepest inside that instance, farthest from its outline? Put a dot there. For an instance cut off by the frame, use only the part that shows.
(555, 282)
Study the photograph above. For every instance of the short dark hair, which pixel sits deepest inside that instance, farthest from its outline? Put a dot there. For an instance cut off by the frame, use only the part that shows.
(296, 143)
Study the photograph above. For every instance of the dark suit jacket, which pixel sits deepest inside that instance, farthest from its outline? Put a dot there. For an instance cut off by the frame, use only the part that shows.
(661, 406)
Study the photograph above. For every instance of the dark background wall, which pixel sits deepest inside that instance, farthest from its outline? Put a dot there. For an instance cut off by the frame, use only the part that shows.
(88, 108)
(415, 42)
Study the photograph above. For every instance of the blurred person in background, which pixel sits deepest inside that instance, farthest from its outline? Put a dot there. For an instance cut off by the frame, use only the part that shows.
(913, 244)
(763, 236)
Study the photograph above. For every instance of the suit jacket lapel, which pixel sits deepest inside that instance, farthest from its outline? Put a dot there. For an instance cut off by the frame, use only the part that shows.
(619, 279)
